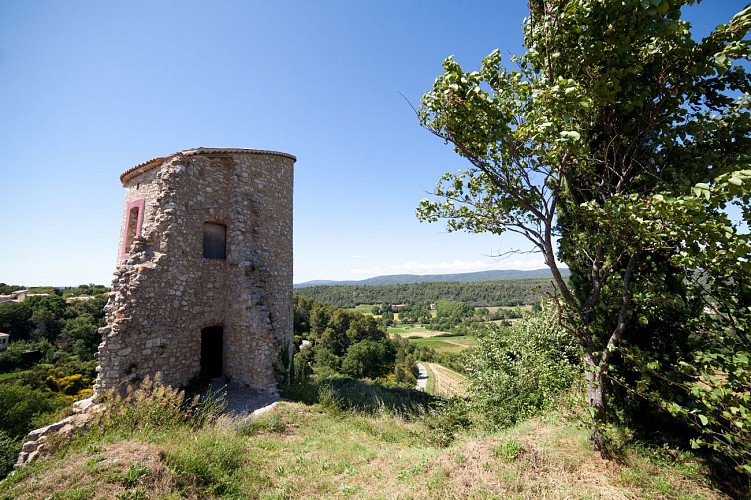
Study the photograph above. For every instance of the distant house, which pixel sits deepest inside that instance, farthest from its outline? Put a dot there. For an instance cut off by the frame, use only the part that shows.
(4, 339)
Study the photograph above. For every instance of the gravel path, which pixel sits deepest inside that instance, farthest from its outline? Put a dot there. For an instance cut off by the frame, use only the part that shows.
(243, 400)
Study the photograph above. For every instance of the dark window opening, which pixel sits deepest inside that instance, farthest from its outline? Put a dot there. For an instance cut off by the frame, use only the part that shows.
(214, 241)
(212, 342)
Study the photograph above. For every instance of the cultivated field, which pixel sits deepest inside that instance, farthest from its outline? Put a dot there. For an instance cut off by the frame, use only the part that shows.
(445, 382)
(453, 345)
(413, 331)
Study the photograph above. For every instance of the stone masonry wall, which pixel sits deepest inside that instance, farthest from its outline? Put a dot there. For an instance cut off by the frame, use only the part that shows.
(165, 292)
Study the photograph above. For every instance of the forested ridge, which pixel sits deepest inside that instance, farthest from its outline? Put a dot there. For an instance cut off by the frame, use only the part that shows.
(477, 294)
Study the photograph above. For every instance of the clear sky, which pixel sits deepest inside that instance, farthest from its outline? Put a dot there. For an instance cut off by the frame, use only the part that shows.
(89, 89)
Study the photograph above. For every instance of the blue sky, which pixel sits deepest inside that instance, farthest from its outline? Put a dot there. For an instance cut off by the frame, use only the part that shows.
(90, 88)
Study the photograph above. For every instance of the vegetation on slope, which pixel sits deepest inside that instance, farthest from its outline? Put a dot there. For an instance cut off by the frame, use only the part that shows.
(49, 362)
(332, 448)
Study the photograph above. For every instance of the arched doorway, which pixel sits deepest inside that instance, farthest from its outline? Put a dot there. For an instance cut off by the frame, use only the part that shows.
(212, 343)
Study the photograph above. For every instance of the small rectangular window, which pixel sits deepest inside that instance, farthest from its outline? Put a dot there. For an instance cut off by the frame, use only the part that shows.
(214, 241)
(132, 227)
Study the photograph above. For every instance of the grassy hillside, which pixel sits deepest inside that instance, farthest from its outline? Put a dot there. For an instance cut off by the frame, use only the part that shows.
(386, 449)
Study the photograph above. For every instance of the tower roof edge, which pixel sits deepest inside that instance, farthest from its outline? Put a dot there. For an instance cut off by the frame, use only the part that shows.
(129, 174)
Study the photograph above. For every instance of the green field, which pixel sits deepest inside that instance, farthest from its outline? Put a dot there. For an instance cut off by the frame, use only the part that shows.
(364, 308)
(408, 329)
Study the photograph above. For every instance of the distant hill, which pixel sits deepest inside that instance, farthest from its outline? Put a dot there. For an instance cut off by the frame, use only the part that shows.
(395, 279)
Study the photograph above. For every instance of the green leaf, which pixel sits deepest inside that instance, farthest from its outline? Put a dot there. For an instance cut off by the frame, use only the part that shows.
(571, 134)
(704, 420)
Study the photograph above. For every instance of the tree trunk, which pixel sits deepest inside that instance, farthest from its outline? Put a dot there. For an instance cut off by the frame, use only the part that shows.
(596, 400)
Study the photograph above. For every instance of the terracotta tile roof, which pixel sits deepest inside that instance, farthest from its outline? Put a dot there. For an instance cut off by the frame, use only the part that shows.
(139, 169)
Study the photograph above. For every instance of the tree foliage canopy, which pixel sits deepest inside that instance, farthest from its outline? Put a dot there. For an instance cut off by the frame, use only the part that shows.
(615, 145)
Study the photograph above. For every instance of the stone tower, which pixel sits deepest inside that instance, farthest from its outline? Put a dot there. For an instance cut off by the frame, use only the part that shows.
(204, 278)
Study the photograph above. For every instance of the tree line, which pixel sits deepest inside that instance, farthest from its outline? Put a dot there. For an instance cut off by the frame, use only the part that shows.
(475, 294)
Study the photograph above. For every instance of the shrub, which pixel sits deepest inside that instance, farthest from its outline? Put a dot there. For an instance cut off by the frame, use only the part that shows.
(516, 372)
(20, 406)
(9, 449)
(446, 420)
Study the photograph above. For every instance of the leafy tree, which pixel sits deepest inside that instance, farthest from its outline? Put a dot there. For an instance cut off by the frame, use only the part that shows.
(613, 110)
(47, 316)
(93, 307)
(15, 319)
(19, 405)
(387, 318)
(80, 336)
(320, 315)
(336, 341)
(369, 358)
(452, 311)
(6, 289)
(9, 450)
(350, 343)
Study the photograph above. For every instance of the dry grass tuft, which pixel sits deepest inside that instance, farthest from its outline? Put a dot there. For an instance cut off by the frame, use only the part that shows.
(539, 460)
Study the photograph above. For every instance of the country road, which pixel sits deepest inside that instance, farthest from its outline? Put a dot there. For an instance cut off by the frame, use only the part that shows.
(422, 378)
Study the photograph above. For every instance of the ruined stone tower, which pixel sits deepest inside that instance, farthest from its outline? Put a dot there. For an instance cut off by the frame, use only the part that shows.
(204, 280)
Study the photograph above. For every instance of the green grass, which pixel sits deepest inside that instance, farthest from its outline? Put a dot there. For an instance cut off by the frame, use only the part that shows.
(10, 376)
(406, 329)
(351, 439)
(364, 308)
(430, 385)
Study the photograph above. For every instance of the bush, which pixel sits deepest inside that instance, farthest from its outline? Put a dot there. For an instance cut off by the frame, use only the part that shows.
(9, 450)
(446, 420)
(21, 405)
(517, 372)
